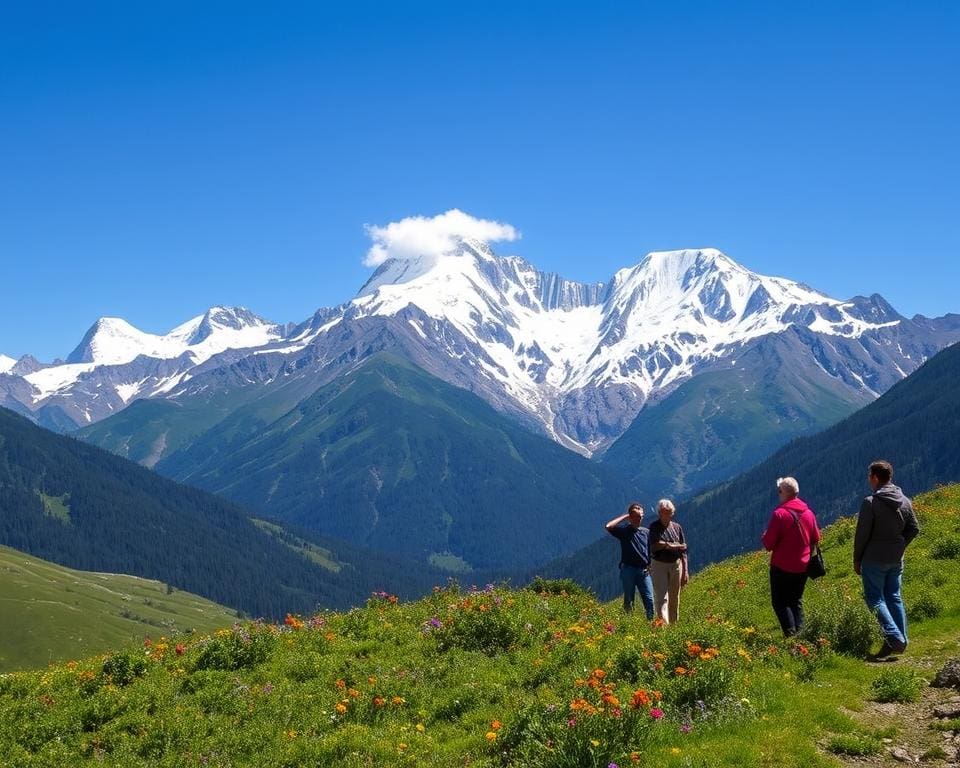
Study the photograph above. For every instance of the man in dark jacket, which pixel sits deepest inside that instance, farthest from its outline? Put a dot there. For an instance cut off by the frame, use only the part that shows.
(885, 526)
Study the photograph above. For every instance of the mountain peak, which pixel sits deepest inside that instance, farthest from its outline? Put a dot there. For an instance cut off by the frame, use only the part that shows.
(109, 340)
(6, 363)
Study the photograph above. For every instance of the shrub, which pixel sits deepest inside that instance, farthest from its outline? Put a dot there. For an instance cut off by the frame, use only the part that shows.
(122, 668)
(901, 685)
(557, 587)
(946, 549)
(846, 623)
(924, 606)
(855, 744)
(239, 648)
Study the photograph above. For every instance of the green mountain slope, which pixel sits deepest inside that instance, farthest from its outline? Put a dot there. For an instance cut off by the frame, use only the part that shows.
(396, 460)
(80, 506)
(720, 423)
(543, 677)
(50, 613)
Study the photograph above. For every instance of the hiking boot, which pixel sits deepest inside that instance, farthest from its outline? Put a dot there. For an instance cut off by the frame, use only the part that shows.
(889, 648)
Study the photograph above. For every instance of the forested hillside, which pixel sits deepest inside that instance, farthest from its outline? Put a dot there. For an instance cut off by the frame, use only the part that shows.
(83, 507)
(393, 459)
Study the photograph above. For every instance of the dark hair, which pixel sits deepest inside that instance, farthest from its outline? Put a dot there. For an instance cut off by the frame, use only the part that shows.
(635, 505)
(882, 470)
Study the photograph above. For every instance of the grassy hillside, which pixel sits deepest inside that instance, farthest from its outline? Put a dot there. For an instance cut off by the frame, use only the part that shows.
(543, 677)
(50, 613)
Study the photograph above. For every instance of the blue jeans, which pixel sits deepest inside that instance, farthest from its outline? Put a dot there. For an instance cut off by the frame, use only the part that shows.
(635, 578)
(881, 590)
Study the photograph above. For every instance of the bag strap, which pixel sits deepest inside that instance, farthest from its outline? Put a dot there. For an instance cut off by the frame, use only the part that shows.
(805, 539)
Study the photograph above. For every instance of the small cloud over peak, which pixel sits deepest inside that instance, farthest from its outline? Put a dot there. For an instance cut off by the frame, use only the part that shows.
(431, 236)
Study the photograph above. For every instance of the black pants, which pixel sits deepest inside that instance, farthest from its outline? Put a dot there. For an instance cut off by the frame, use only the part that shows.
(786, 594)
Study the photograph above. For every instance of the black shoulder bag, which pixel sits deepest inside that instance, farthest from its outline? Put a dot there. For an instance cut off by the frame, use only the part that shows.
(815, 567)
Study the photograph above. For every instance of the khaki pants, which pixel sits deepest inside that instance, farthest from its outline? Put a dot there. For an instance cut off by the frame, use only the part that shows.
(666, 589)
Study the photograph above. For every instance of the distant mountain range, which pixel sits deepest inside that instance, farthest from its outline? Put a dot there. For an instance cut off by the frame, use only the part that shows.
(720, 364)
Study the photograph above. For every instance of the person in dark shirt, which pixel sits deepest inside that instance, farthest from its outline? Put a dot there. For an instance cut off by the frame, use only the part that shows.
(634, 557)
(669, 564)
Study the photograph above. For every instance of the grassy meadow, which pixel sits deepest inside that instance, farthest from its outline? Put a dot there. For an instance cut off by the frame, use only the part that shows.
(542, 676)
(50, 613)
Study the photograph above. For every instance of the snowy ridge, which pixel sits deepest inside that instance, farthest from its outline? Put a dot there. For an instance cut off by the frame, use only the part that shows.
(6, 363)
(581, 360)
(648, 328)
(112, 341)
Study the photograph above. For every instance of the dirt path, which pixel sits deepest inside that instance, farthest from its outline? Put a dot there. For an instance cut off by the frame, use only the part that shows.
(920, 738)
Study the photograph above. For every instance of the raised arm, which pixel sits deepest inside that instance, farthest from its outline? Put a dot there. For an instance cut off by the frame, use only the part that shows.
(615, 522)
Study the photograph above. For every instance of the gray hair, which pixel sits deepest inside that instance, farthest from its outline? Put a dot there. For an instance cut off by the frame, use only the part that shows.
(666, 504)
(790, 483)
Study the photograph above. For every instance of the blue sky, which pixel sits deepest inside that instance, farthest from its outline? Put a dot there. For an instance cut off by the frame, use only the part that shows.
(161, 158)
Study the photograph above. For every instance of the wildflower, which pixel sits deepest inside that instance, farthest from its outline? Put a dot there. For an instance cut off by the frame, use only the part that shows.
(267, 689)
(341, 685)
(401, 746)
(421, 728)
(693, 649)
(379, 701)
(613, 765)
(491, 736)
(609, 628)
(571, 722)
(610, 699)
(353, 693)
(340, 707)
(496, 725)
(594, 742)
(675, 750)
(398, 701)
(656, 713)
(294, 622)
(372, 680)
(634, 757)
(743, 654)
(680, 671)
(179, 649)
(291, 734)
(392, 599)
(741, 583)
(640, 699)
(686, 728)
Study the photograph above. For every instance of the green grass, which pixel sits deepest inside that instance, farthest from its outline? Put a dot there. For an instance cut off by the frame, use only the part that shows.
(57, 507)
(49, 613)
(543, 677)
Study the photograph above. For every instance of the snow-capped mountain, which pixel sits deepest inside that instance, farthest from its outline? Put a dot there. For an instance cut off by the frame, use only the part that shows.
(6, 363)
(584, 359)
(575, 361)
(116, 363)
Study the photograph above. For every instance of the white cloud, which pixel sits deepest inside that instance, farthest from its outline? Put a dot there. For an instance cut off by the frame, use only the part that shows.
(420, 235)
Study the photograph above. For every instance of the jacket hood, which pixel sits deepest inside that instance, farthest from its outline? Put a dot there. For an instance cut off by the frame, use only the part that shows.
(890, 494)
(797, 504)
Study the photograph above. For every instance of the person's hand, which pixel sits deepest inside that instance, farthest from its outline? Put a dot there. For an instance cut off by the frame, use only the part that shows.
(684, 578)
(856, 568)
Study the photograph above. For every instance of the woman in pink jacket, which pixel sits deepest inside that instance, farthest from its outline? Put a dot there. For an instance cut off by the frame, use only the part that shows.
(791, 534)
